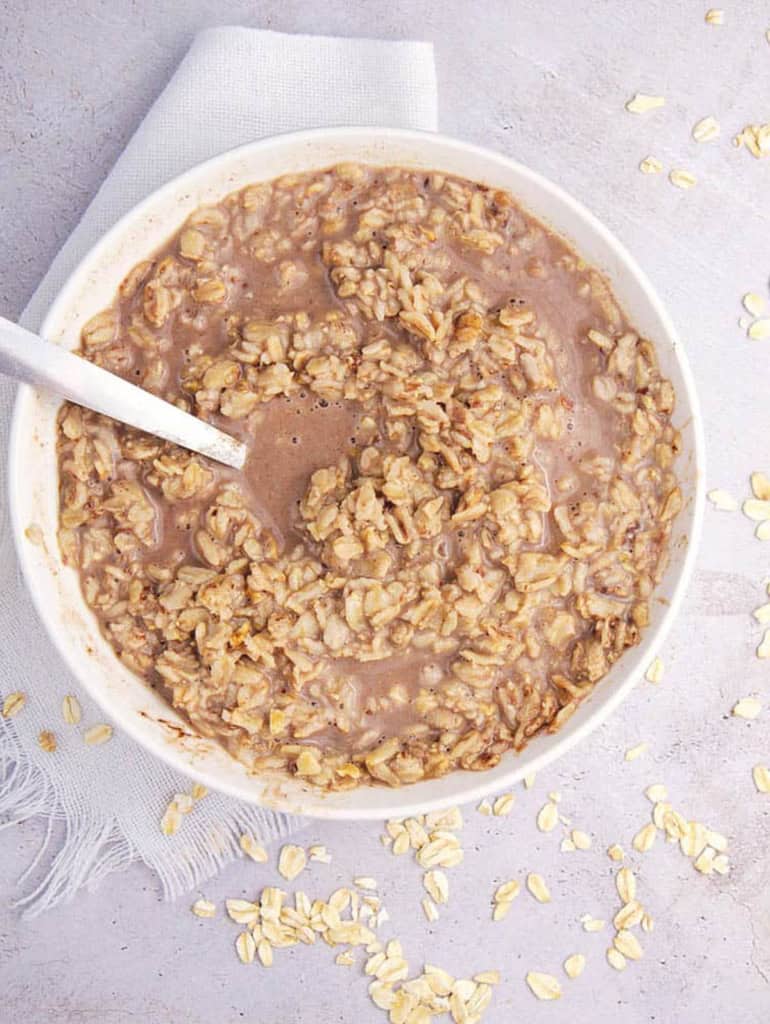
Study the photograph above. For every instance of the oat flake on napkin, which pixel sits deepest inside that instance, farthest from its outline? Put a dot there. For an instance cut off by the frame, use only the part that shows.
(103, 804)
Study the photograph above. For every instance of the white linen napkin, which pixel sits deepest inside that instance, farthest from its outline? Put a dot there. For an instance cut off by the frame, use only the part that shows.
(103, 804)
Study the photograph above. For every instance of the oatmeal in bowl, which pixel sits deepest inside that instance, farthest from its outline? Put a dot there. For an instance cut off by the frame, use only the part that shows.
(467, 471)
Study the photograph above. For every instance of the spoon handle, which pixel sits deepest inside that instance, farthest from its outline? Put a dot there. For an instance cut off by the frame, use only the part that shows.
(27, 357)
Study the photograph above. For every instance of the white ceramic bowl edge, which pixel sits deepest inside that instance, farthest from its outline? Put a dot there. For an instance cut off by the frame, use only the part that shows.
(33, 494)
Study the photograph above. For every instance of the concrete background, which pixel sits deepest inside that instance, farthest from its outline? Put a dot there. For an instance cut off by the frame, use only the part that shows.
(545, 83)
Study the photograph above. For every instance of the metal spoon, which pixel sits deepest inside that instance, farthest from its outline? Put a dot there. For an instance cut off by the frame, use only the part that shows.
(27, 357)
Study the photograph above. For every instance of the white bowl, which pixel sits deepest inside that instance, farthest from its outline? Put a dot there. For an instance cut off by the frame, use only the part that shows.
(33, 470)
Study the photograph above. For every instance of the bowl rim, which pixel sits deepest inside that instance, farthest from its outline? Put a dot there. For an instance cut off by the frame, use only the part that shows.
(404, 803)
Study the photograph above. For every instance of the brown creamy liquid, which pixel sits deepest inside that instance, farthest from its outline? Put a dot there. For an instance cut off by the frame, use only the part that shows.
(297, 436)
(291, 437)
(277, 262)
(370, 681)
(294, 436)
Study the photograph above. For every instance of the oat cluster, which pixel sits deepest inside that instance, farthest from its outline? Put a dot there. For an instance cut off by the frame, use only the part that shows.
(465, 529)
(433, 840)
(347, 921)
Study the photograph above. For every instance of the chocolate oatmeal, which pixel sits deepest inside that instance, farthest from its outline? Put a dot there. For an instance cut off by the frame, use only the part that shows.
(459, 492)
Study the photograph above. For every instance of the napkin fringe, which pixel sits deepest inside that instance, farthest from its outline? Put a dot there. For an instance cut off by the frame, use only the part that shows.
(91, 848)
(204, 856)
(24, 787)
(80, 848)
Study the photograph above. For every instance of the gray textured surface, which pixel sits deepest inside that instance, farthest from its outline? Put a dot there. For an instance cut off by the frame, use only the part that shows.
(545, 83)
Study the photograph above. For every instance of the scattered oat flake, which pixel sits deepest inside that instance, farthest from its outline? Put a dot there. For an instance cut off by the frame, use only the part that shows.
(763, 651)
(654, 673)
(656, 792)
(382, 995)
(753, 304)
(401, 844)
(365, 882)
(567, 846)
(485, 807)
(436, 885)
(47, 741)
(581, 839)
(694, 839)
(503, 805)
(747, 707)
(627, 943)
(418, 836)
(548, 817)
(721, 865)
(394, 969)
(501, 910)
(544, 986)
(717, 840)
(641, 102)
(762, 531)
(204, 908)
(242, 911)
(591, 924)
(265, 953)
(682, 178)
(507, 892)
(252, 849)
(762, 614)
(634, 752)
(430, 909)
(451, 818)
(715, 16)
(320, 854)
(629, 915)
(246, 947)
(346, 959)
(615, 852)
(650, 165)
(529, 780)
(199, 791)
(291, 862)
(706, 130)
(184, 802)
(616, 959)
(647, 923)
(70, 709)
(625, 883)
(761, 775)
(171, 820)
(98, 734)
(538, 888)
(487, 978)
(13, 703)
(704, 862)
(760, 485)
(662, 816)
(760, 329)
(673, 823)
(756, 138)
(443, 851)
(722, 500)
(574, 965)
(644, 838)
